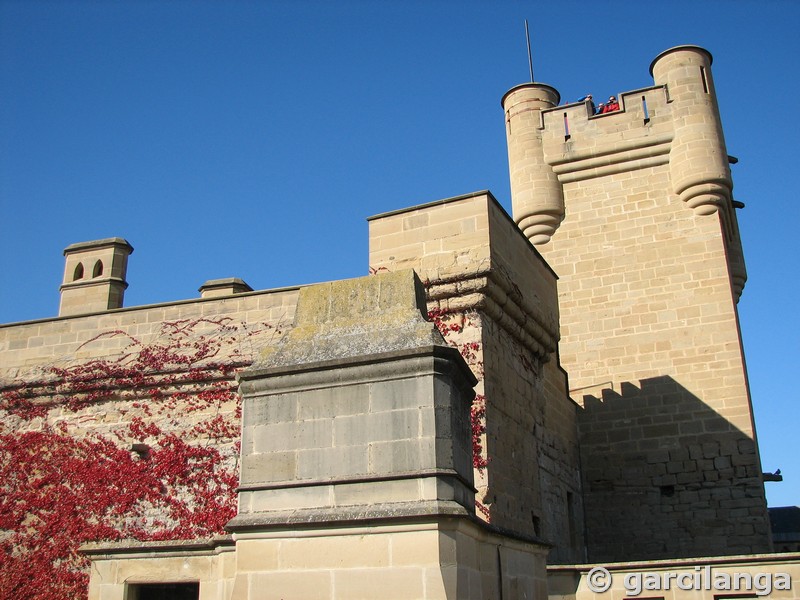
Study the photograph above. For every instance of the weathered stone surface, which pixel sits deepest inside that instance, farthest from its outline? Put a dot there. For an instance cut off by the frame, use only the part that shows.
(369, 405)
(355, 317)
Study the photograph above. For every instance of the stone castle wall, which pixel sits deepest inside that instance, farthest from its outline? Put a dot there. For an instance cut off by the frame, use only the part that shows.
(33, 355)
(122, 424)
(357, 470)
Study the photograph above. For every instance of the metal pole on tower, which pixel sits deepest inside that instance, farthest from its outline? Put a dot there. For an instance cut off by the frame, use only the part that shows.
(528, 38)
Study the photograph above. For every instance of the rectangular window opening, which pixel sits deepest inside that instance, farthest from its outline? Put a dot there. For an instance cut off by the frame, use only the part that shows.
(536, 524)
(573, 532)
(704, 78)
(163, 591)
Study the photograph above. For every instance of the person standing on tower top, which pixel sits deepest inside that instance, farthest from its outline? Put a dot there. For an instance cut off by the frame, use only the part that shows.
(611, 105)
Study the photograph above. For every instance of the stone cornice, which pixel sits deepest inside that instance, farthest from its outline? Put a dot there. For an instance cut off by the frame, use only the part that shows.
(496, 295)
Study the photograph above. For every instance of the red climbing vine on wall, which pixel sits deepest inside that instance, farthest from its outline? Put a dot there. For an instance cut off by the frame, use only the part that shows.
(449, 325)
(138, 441)
(68, 474)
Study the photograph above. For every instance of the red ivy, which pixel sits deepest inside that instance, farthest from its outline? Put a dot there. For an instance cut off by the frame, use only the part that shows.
(58, 491)
(478, 421)
(449, 323)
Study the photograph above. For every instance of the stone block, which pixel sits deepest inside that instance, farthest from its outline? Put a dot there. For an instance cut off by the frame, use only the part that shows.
(674, 467)
(257, 555)
(400, 394)
(107, 592)
(165, 569)
(270, 467)
(377, 427)
(337, 462)
(415, 548)
(290, 436)
(290, 499)
(261, 410)
(376, 492)
(722, 462)
(276, 585)
(339, 552)
(334, 402)
(402, 455)
(710, 450)
(397, 583)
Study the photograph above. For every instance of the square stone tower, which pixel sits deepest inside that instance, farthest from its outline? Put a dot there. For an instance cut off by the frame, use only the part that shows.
(634, 211)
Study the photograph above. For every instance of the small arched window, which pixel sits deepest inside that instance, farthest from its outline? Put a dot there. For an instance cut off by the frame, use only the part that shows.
(78, 274)
(98, 269)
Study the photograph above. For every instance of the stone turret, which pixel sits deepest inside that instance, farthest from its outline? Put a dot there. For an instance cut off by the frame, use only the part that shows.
(94, 276)
(536, 194)
(698, 160)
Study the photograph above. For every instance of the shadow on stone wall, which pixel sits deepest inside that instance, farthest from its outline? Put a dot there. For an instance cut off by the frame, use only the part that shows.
(665, 475)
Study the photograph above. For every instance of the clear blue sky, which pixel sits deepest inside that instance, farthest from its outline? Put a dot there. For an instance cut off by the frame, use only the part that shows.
(252, 139)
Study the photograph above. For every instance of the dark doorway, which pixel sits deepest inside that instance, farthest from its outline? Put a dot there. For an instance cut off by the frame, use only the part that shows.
(164, 591)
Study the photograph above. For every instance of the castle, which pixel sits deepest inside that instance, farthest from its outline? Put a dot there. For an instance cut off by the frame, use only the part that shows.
(500, 405)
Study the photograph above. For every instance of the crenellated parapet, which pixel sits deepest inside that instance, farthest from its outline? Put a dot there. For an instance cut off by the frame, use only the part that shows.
(673, 124)
(579, 145)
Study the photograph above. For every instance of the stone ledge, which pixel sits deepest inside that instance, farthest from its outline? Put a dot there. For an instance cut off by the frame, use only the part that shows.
(114, 241)
(495, 294)
(352, 515)
(401, 211)
(780, 558)
(376, 516)
(202, 546)
(350, 369)
(97, 281)
(255, 487)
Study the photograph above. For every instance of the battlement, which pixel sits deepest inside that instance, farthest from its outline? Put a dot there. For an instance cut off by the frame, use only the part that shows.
(673, 125)
(581, 145)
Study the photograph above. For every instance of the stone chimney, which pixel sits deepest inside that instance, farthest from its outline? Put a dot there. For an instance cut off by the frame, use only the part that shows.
(94, 276)
(214, 288)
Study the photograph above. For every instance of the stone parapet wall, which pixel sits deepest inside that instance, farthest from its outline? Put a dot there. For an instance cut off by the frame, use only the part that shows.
(610, 143)
(90, 358)
(28, 344)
